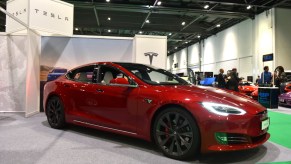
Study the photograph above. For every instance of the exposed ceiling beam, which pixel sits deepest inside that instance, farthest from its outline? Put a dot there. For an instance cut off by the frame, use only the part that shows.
(194, 20)
(149, 13)
(135, 29)
(161, 10)
(233, 3)
(97, 19)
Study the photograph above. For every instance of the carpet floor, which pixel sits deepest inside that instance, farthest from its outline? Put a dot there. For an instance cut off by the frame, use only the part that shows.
(32, 141)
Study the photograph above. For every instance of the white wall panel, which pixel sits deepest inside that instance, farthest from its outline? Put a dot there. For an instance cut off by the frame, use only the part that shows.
(208, 67)
(180, 57)
(283, 38)
(226, 65)
(13, 67)
(193, 54)
(210, 50)
(245, 67)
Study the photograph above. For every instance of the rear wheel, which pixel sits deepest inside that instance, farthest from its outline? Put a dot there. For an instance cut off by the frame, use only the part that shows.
(55, 113)
(176, 134)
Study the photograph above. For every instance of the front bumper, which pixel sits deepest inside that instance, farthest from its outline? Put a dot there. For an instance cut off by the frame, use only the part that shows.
(242, 132)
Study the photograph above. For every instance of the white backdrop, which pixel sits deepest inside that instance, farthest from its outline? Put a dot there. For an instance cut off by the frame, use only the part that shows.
(70, 52)
(151, 44)
(13, 67)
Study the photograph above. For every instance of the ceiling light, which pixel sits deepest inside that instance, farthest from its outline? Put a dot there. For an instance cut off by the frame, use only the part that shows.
(140, 32)
(218, 25)
(147, 21)
(109, 30)
(249, 7)
(77, 29)
(176, 47)
(206, 6)
(198, 36)
(170, 34)
(149, 6)
(107, 0)
(183, 23)
(109, 18)
(159, 3)
(186, 42)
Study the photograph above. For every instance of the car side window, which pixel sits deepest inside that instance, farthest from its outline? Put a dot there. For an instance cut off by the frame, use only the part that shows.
(85, 74)
(110, 75)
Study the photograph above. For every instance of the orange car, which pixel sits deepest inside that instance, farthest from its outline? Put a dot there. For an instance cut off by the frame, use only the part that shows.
(255, 94)
(247, 87)
(288, 88)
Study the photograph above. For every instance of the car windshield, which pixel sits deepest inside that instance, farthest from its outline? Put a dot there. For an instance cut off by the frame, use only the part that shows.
(154, 76)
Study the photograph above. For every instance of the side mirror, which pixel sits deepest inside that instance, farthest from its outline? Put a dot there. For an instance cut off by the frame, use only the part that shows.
(121, 81)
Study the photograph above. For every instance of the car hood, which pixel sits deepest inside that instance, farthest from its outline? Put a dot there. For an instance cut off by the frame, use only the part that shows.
(216, 95)
(286, 95)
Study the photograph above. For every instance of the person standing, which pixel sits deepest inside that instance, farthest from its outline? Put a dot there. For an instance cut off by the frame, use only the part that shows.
(266, 77)
(280, 78)
(221, 79)
(233, 80)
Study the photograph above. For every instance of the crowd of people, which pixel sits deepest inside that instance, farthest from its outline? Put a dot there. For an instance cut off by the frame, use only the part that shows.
(231, 80)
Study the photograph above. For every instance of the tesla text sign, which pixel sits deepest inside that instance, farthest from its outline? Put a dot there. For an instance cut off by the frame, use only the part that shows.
(51, 16)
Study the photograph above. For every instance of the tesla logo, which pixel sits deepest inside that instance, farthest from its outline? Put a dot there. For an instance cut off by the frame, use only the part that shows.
(151, 56)
(148, 101)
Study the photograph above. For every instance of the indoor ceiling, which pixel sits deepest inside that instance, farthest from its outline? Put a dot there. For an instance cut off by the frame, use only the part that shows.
(125, 18)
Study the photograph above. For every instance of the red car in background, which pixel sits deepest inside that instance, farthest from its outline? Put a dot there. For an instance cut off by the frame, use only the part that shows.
(255, 94)
(153, 104)
(247, 87)
(288, 88)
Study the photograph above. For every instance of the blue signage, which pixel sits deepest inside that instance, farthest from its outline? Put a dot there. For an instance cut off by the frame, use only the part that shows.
(268, 57)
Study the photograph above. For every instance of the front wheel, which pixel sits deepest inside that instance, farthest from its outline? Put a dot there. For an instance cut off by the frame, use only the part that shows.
(55, 113)
(176, 134)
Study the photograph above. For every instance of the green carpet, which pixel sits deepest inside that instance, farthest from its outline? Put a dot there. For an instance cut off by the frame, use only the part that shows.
(287, 162)
(280, 128)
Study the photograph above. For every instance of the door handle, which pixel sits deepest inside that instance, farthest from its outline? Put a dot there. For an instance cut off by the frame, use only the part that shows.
(99, 90)
(67, 85)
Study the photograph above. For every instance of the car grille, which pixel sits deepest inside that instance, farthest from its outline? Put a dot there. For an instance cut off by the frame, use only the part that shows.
(234, 139)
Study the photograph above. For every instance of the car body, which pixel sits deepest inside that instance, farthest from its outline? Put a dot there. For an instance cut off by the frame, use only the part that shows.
(55, 73)
(285, 99)
(247, 87)
(152, 104)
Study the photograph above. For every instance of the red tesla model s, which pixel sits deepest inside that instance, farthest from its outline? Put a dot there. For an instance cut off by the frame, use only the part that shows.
(153, 104)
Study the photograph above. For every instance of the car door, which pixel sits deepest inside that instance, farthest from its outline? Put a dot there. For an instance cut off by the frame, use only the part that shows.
(78, 92)
(116, 104)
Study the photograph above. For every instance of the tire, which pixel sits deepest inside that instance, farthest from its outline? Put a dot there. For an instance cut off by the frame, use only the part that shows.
(55, 113)
(176, 134)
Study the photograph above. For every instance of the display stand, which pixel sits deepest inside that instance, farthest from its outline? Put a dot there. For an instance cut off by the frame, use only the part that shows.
(268, 96)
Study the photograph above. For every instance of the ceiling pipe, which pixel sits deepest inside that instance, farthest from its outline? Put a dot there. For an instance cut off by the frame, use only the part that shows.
(150, 12)
(194, 20)
(97, 19)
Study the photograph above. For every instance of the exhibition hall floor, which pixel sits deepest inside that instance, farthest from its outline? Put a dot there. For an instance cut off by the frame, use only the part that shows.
(32, 141)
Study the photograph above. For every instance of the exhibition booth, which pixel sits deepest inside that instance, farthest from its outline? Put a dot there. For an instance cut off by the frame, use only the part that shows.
(35, 43)
(179, 118)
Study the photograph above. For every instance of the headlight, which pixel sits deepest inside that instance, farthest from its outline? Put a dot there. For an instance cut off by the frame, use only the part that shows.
(223, 110)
